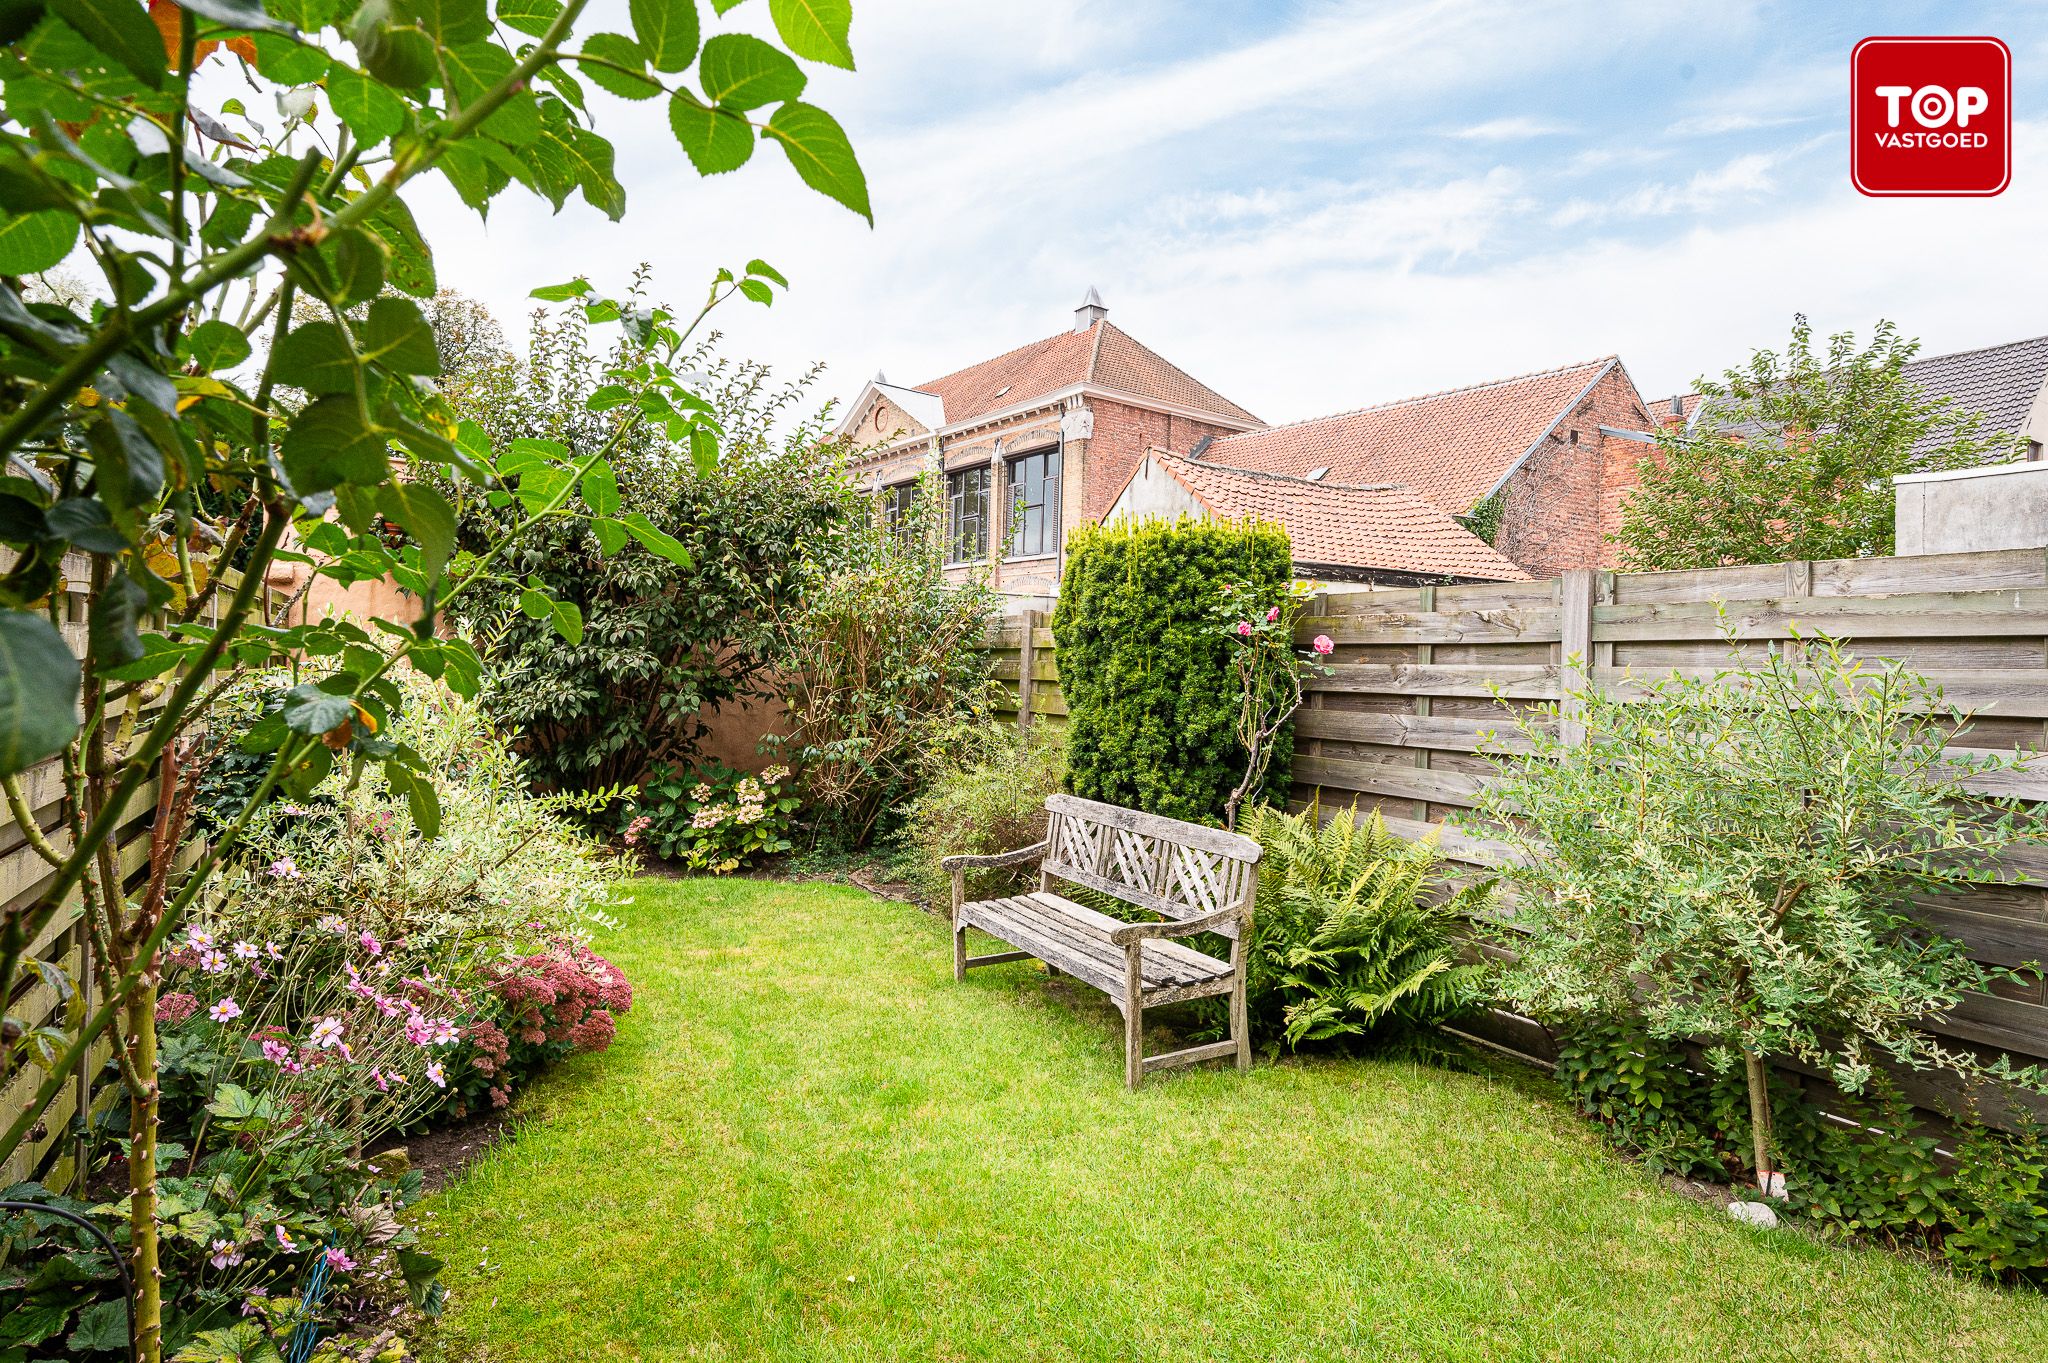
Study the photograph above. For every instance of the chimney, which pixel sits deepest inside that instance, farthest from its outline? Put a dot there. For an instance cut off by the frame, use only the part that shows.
(1091, 311)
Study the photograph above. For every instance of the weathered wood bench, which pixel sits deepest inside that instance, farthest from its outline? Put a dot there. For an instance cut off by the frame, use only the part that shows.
(1196, 879)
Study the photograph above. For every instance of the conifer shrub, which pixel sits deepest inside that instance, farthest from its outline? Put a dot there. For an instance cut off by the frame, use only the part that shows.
(1152, 698)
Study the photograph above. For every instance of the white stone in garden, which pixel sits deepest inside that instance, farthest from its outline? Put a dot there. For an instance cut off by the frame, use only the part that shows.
(1757, 1214)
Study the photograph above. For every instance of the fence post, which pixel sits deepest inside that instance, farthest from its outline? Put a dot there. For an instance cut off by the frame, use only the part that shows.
(1027, 663)
(1425, 654)
(1575, 651)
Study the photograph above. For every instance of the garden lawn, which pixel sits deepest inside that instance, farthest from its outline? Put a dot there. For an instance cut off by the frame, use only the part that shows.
(808, 1142)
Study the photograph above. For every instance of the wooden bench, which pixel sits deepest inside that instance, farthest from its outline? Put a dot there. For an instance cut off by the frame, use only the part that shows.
(1196, 879)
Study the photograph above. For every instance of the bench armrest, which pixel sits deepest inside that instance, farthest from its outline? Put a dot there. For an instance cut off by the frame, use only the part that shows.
(963, 863)
(1208, 922)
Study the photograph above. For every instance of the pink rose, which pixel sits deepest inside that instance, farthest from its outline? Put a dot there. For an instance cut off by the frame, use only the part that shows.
(1272, 615)
(1244, 627)
(1323, 645)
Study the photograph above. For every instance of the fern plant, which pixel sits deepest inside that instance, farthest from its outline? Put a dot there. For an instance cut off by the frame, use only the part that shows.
(1356, 934)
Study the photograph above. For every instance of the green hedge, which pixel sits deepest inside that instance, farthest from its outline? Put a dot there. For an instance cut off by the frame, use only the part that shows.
(1145, 667)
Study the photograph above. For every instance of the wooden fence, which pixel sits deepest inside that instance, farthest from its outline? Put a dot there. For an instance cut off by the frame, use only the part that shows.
(24, 876)
(1400, 723)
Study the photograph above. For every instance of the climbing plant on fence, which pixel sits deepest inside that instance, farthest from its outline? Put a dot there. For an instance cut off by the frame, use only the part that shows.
(209, 229)
(1153, 699)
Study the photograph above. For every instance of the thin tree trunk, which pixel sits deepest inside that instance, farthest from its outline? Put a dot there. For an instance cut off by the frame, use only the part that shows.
(142, 1119)
(1760, 1116)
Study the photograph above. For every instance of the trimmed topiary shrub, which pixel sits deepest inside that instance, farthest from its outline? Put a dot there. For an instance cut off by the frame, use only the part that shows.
(1152, 699)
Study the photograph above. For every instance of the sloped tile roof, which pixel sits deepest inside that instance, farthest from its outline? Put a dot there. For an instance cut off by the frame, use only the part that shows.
(1451, 447)
(1103, 354)
(1999, 383)
(1342, 525)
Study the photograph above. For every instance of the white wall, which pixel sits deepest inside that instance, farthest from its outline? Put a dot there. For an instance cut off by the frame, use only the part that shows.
(2003, 506)
(1151, 492)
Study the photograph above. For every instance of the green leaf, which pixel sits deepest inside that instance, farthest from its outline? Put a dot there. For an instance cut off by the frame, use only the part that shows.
(397, 337)
(817, 147)
(640, 528)
(815, 29)
(667, 30)
(111, 633)
(764, 270)
(309, 710)
(287, 61)
(704, 449)
(616, 47)
(557, 293)
(215, 345)
(328, 445)
(611, 536)
(568, 621)
(31, 242)
(316, 357)
(410, 262)
(118, 30)
(588, 160)
(371, 111)
(422, 801)
(530, 17)
(399, 54)
(103, 1325)
(84, 522)
(232, 1102)
(715, 142)
(535, 604)
(426, 516)
(601, 489)
(740, 71)
(38, 691)
(448, 22)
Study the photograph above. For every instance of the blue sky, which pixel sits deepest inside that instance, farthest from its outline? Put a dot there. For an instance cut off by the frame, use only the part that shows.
(1315, 206)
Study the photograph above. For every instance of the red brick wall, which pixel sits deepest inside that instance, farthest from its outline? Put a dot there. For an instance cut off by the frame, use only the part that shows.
(1122, 435)
(1566, 498)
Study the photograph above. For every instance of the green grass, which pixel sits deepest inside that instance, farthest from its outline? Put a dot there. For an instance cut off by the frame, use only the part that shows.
(809, 1143)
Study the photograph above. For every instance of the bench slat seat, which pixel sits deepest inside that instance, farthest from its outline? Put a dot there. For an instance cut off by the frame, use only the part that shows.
(1195, 879)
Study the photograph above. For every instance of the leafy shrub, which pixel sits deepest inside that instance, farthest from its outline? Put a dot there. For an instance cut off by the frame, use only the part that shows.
(1734, 860)
(1258, 624)
(717, 818)
(879, 654)
(663, 645)
(1354, 935)
(1863, 1167)
(1152, 700)
(231, 775)
(987, 795)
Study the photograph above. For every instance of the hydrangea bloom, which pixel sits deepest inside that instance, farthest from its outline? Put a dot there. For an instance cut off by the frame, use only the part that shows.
(176, 1007)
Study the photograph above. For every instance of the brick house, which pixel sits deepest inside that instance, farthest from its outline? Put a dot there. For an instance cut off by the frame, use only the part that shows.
(1030, 444)
(1556, 448)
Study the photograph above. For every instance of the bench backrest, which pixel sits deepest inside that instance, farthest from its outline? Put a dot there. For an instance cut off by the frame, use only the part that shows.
(1177, 870)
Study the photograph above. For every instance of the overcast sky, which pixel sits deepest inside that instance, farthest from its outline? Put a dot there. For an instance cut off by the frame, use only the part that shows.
(1316, 206)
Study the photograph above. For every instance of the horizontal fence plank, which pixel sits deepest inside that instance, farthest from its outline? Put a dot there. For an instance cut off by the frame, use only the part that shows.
(1504, 625)
(1924, 615)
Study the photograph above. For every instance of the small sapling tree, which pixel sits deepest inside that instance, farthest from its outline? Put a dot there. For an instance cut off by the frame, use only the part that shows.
(1735, 860)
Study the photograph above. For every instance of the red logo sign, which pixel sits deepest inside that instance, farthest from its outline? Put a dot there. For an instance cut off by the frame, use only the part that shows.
(1930, 116)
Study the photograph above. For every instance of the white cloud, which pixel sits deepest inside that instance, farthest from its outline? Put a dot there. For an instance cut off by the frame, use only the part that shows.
(1743, 178)
(1517, 128)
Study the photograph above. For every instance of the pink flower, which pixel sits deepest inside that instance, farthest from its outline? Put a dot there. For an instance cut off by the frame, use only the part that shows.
(276, 1052)
(226, 1010)
(176, 1007)
(245, 951)
(212, 962)
(377, 1078)
(225, 1255)
(283, 869)
(326, 1032)
(370, 943)
(1272, 615)
(284, 1242)
(338, 1260)
(270, 949)
(1244, 628)
(198, 938)
(332, 923)
(437, 1076)
(1323, 646)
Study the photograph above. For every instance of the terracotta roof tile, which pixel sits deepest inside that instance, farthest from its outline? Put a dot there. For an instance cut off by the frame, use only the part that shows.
(1343, 525)
(1451, 447)
(1102, 354)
